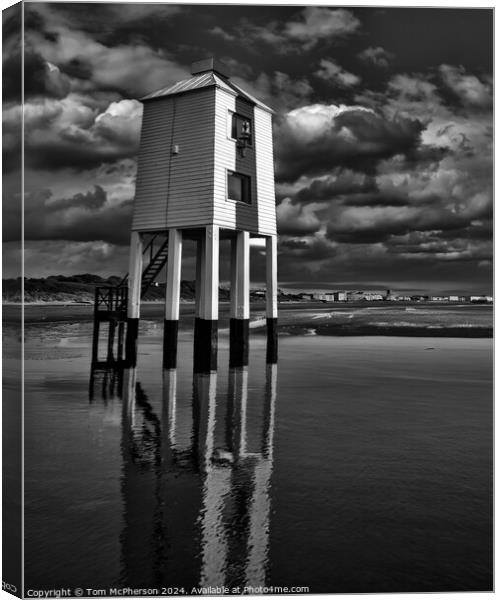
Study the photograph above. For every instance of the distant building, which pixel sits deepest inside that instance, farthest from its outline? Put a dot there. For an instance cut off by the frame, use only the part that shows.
(330, 296)
(454, 298)
(481, 299)
(365, 295)
(439, 298)
(324, 297)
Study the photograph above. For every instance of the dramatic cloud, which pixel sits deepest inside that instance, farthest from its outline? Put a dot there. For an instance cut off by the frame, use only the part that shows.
(333, 186)
(376, 56)
(313, 26)
(42, 259)
(314, 139)
(134, 69)
(74, 131)
(83, 217)
(369, 224)
(104, 17)
(296, 220)
(321, 23)
(430, 203)
(468, 88)
(333, 73)
(278, 90)
(383, 159)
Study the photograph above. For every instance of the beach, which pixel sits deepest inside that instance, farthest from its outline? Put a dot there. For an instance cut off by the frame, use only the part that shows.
(345, 319)
(368, 458)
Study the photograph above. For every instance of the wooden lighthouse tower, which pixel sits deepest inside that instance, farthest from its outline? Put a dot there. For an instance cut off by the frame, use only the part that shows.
(205, 173)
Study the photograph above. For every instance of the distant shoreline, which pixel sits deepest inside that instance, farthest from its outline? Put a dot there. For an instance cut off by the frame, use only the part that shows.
(298, 318)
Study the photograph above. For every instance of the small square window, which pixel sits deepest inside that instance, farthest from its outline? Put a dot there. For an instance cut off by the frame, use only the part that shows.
(238, 187)
(241, 129)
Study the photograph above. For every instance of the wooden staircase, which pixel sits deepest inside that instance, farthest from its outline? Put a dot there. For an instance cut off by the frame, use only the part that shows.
(155, 265)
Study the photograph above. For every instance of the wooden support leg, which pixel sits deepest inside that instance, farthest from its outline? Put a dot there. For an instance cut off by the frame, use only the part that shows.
(95, 335)
(134, 298)
(119, 352)
(205, 337)
(172, 299)
(240, 300)
(272, 299)
(111, 341)
(95, 340)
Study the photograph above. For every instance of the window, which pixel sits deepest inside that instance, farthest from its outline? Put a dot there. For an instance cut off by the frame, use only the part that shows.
(241, 128)
(238, 187)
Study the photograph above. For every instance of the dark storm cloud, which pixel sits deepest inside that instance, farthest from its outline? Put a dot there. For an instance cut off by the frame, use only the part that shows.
(340, 183)
(128, 65)
(101, 20)
(296, 220)
(429, 245)
(311, 250)
(376, 56)
(475, 231)
(11, 54)
(383, 147)
(83, 217)
(294, 245)
(91, 201)
(67, 152)
(309, 27)
(40, 78)
(380, 223)
(111, 225)
(11, 80)
(317, 139)
(73, 133)
(375, 199)
(471, 90)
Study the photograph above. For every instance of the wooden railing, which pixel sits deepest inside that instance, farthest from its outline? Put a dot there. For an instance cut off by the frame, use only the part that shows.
(111, 298)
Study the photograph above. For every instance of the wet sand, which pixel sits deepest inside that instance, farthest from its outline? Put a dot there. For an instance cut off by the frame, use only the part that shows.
(301, 318)
(381, 477)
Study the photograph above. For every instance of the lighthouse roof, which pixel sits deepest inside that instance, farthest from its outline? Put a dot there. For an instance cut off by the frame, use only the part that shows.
(211, 77)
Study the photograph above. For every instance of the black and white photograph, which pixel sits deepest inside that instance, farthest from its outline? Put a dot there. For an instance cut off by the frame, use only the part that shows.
(247, 299)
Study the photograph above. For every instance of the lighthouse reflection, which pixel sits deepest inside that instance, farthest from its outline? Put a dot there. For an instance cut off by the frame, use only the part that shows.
(196, 480)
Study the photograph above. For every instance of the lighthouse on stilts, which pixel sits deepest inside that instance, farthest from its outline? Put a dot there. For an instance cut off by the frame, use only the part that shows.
(205, 173)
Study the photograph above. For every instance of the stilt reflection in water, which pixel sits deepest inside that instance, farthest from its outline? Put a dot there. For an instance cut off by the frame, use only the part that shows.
(196, 479)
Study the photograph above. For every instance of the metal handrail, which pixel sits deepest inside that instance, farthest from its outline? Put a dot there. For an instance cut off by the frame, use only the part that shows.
(149, 246)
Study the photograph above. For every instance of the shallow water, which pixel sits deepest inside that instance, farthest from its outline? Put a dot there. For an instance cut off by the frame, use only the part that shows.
(359, 464)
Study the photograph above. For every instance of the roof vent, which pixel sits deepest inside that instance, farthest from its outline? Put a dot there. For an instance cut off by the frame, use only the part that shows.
(209, 64)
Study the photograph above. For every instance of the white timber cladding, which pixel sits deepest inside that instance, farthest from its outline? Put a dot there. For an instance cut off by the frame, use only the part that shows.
(263, 127)
(176, 189)
(188, 188)
(260, 215)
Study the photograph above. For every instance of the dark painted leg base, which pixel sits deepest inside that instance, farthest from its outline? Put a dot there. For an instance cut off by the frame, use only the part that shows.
(131, 342)
(238, 342)
(272, 341)
(170, 331)
(205, 345)
(95, 340)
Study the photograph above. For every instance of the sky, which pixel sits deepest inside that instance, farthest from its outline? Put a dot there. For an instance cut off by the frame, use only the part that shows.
(383, 135)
